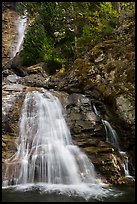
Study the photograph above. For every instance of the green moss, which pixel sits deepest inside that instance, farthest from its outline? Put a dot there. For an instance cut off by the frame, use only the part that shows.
(130, 87)
(62, 70)
(34, 69)
(30, 89)
(102, 88)
(98, 149)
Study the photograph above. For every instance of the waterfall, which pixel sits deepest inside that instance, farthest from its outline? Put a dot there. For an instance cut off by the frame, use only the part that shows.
(126, 170)
(112, 138)
(95, 110)
(111, 135)
(45, 151)
(20, 27)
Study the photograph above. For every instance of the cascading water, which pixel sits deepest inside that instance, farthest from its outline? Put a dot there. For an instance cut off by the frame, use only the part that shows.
(111, 135)
(95, 110)
(112, 138)
(126, 170)
(45, 152)
(20, 27)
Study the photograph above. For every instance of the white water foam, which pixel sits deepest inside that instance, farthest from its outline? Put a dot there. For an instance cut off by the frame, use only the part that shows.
(85, 191)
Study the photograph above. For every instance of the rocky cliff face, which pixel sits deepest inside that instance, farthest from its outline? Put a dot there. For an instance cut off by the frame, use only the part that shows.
(103, 77)
(107, 73)
(9, 17)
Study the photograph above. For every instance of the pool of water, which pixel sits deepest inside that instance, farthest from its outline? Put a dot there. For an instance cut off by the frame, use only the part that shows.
(71, 194)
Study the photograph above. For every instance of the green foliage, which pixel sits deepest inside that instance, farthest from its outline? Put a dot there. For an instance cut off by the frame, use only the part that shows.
(66, 30)
(128, 6)
(100, 23)
(108, 17)
(32, 8)
(47, 49)
(37, 46)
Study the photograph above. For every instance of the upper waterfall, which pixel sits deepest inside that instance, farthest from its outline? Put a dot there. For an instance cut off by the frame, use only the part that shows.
(20, 24)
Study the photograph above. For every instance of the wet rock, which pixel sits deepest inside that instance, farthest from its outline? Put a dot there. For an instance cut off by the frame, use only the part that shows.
(36, 80)
(78, 100)
(38, 69)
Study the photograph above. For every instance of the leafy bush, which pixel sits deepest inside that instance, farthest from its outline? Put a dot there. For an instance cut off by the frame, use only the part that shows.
(100, 24)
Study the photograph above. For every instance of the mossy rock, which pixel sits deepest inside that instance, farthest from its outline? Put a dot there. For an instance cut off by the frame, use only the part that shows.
(110, 66)
(99, 149)
(131, 88)
(130, 76)
(102, 88)
(34, 69)
(30, 89)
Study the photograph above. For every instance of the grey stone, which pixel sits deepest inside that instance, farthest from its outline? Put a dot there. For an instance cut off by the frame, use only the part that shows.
(125, 109)
(13, 87)
(13, 78)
